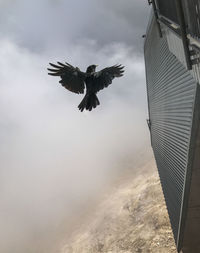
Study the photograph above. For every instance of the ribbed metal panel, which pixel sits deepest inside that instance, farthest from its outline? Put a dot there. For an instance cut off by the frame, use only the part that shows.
(175, 45)
(196, 71)
(171, 94)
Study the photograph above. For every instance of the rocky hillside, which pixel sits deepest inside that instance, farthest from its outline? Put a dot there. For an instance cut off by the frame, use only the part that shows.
(132, 218)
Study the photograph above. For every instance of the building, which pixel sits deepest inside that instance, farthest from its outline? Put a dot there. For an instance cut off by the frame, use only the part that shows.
(172, 60)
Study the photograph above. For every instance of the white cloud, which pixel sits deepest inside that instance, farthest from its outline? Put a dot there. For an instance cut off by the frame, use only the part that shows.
(38, 24)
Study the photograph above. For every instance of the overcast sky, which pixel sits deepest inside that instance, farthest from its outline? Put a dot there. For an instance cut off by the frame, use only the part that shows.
(53, 157)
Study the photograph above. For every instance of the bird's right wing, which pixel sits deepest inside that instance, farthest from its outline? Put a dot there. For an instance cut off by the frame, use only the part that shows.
(71, 78)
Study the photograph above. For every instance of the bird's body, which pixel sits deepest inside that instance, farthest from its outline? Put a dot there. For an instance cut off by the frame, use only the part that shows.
(89, 81)
(75, 80)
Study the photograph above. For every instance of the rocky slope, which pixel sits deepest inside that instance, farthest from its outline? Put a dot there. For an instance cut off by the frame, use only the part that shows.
(132, 218)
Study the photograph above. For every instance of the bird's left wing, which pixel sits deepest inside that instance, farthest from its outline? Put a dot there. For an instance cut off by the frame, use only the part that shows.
(104, 77)
(71, 78)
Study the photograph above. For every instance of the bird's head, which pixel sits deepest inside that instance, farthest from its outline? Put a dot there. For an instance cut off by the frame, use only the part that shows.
(91, 69)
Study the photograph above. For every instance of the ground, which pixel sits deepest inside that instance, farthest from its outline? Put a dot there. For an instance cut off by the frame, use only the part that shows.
(131, 218)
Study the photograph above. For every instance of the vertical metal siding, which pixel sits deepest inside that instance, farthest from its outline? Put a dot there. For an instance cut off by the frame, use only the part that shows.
(171, 93)
(175, 45)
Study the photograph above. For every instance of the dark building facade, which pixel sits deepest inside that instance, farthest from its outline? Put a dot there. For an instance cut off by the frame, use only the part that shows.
(172, 51)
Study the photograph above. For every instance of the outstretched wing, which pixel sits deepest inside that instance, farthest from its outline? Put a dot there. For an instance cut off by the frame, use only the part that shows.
(71, 78)
(104, 77)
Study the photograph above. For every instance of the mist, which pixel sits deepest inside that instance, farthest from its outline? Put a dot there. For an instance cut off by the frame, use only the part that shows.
(55, 160)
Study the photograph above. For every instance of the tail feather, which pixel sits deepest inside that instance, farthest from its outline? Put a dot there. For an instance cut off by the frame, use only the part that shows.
(89, 101)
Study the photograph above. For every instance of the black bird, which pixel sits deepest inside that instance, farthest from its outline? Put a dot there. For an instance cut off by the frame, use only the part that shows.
(75, 80)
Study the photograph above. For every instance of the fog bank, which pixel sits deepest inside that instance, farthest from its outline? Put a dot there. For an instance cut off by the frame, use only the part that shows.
(55, 159)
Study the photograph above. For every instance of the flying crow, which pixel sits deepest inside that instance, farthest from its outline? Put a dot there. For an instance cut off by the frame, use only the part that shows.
(75, 80)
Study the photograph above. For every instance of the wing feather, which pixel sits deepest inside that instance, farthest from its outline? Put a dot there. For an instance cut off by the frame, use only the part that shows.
(71, 78)
(103, 78)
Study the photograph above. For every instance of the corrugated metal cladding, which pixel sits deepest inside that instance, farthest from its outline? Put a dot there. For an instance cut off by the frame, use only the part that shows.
(171, 93)
(176, 47)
